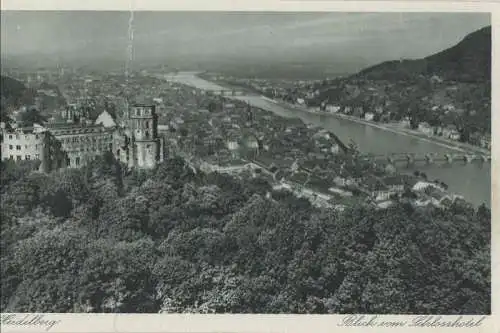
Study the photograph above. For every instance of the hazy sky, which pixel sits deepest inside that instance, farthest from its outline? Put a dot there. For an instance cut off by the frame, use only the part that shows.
(244, 35)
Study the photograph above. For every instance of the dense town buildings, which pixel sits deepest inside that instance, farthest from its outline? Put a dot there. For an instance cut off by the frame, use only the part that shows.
(387, 104)
(215, 133)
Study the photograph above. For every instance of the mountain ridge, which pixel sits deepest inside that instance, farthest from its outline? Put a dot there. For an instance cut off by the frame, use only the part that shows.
(469, 60)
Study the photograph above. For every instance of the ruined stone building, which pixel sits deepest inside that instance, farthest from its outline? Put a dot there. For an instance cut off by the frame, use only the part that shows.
(69, 143)
(137, 143)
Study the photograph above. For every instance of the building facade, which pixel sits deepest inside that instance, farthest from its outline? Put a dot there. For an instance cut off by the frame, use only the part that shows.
(22, 144)
(29, 144)
(82, 143)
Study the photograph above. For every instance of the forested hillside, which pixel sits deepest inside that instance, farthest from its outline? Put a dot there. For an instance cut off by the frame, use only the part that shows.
(467, 61)
(450, 89)
(13, 93)
(99, 239)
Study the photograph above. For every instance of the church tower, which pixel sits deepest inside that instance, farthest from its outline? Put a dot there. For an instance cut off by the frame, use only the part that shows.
(146, 146)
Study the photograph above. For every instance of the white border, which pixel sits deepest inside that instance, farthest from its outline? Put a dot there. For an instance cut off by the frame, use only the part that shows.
(278, 323)
(255, 5)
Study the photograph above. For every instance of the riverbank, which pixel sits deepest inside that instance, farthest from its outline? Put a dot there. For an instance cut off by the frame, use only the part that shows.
(449, 144)
(472, 180)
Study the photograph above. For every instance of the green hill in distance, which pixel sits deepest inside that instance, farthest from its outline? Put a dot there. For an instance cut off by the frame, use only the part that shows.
(467, 61)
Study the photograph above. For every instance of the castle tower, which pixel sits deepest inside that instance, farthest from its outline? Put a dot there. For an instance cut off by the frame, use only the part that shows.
(146, 146)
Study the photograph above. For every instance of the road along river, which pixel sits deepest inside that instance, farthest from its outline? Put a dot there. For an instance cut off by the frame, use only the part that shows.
(471, 180)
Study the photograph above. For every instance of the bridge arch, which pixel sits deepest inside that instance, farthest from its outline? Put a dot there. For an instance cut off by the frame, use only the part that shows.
(427, 157)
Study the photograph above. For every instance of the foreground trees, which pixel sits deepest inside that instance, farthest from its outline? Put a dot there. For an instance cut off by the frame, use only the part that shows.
(177, 240)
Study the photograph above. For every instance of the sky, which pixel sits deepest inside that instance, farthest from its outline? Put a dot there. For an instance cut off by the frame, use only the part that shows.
(336, 37)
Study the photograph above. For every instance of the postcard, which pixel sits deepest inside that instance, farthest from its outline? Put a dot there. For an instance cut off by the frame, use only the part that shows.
(248, 166)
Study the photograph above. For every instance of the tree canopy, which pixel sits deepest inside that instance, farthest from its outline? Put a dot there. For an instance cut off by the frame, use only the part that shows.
(173, 239)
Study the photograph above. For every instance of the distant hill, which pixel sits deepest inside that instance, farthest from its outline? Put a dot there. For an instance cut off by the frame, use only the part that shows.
(467, 61)
(396, 90)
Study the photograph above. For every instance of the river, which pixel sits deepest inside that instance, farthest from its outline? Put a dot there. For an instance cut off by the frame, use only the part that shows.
(471, 180)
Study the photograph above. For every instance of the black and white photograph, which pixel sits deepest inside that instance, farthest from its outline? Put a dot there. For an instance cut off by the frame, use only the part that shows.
(246, 162)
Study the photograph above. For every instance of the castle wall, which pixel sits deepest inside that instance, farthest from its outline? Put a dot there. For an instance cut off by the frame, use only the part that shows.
(20, 146)
(82, 144)
(121, 147)
(27, 145)
(53, 156)
(147, 153)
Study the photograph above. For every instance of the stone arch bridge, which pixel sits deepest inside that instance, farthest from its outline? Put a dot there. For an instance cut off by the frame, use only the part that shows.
(429, 158)
(227, 92)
